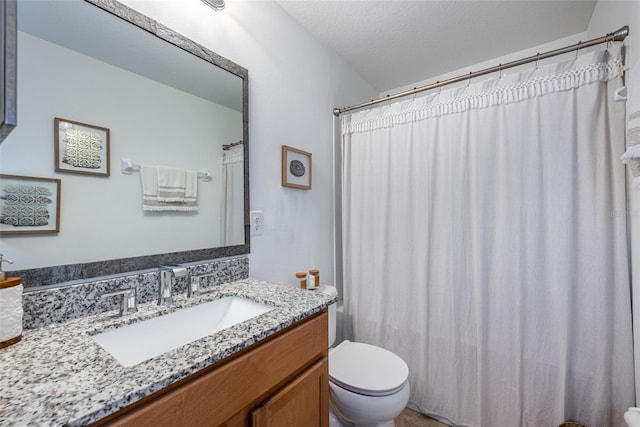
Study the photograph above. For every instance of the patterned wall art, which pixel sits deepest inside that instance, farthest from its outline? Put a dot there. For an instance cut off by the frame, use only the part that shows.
(81, 148)
(29, 205)
(296, 168)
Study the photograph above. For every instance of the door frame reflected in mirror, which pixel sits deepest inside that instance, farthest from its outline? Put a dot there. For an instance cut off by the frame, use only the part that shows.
(8, 66)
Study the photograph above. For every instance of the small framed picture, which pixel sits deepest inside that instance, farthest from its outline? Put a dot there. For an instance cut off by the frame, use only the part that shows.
(29, 205)
(296, 168)
(81, 148)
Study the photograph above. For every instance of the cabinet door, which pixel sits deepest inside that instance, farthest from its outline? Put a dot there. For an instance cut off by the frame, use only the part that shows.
(304, 402)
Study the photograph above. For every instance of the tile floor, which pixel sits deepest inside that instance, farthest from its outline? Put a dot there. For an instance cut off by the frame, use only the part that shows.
(409, 418)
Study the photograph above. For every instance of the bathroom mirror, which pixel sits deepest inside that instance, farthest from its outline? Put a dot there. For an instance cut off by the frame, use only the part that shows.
(166, 101)
(7, 67)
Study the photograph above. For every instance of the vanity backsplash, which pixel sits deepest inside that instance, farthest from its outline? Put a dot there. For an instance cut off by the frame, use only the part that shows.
(56, 305)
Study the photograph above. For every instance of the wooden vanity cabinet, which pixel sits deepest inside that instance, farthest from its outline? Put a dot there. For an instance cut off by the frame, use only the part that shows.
(302, 402)
(282, 380)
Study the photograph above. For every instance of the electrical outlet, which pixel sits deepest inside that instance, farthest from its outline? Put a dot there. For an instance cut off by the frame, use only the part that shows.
(257, 223)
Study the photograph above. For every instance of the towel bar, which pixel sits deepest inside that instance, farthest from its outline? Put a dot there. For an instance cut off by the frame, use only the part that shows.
(128, 167)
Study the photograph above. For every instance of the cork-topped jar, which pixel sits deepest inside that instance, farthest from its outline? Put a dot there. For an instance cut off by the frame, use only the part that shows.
(302, 280)
(314, 279)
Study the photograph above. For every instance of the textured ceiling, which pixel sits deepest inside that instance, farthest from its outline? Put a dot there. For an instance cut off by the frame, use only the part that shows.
(398, 43)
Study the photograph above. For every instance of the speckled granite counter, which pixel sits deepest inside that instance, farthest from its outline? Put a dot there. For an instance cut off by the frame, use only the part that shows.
(57, 375)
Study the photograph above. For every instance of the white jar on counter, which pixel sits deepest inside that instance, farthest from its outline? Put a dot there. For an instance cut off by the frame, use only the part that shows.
(314, 279)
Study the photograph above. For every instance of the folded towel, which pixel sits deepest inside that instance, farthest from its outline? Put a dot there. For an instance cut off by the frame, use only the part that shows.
(172, 184)
(632, 155)
(191, 186)
(150, 202)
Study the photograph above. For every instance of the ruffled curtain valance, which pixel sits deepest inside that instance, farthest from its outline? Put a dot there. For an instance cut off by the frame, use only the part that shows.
(593, 67)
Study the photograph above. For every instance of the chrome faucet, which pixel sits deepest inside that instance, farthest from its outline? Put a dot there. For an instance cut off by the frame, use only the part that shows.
(167, 274)
(129, 301)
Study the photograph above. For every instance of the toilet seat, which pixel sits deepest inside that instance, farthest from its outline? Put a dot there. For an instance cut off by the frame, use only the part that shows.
(367, 369)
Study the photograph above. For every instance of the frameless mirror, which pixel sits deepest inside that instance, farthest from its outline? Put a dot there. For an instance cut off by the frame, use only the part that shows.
(165, 100)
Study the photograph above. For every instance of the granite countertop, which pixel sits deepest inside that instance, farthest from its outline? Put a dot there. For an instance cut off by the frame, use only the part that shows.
(57, 375)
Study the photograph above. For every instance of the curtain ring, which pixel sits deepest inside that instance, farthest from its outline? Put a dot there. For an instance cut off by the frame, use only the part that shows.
(469, 81)
(578, 48)
(535, 70)
(499, 72)
(414, 94)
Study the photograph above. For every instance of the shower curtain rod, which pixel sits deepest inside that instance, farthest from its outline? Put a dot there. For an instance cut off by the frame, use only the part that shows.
(230, 146)
(617, 36)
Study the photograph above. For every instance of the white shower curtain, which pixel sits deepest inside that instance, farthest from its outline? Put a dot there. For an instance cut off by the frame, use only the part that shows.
(233, 195)
(485, 242)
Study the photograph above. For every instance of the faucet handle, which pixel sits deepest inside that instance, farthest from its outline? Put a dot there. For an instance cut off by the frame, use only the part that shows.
(129, 301)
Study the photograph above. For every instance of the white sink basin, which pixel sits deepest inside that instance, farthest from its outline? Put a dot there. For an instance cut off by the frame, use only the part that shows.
(144, 340)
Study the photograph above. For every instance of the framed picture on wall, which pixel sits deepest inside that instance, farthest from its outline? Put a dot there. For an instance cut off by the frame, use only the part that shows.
(296, 168)
(81, 148)
(29, 205)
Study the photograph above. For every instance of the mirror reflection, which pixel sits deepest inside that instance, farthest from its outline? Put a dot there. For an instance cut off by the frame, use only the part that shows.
(163, 106)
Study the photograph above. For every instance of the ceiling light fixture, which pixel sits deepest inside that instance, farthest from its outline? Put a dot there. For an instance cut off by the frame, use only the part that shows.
(215, 4)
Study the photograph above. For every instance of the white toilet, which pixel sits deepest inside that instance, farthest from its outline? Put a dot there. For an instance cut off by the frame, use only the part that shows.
(368, 385)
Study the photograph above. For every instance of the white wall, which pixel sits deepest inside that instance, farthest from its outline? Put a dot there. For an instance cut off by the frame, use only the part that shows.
(294, 83)
(102, 217)
(493, 62)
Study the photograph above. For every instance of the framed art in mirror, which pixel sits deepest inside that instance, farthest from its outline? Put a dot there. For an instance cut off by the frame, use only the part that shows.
(296, 168)
(8, 66)
(29, 205)
(81, 148)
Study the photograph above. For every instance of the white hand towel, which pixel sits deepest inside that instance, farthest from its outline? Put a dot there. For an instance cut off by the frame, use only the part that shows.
(172, 184)
(149, 178)
(191, 188)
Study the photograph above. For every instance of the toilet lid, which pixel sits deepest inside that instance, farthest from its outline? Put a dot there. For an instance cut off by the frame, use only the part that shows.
(367, 369)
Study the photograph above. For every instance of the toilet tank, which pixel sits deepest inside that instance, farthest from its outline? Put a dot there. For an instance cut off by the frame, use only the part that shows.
(331, 291)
